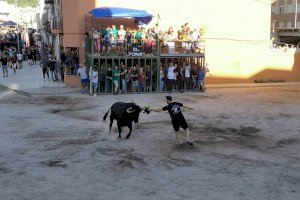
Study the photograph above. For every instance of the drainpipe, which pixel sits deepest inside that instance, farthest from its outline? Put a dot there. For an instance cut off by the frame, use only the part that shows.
(296, 14)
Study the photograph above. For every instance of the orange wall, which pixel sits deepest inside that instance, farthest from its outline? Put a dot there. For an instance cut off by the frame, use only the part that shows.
(74, 12)
(285, 71)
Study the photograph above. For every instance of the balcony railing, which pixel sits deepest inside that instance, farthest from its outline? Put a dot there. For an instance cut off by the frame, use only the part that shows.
(56, 23)
(143, 47)
(49, 1)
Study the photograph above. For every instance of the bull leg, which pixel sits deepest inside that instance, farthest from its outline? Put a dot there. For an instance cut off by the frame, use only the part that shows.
(130, 129)
(120, 129)
(111, 122)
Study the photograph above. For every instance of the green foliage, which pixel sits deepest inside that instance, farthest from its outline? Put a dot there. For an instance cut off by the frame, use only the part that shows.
(24, 3)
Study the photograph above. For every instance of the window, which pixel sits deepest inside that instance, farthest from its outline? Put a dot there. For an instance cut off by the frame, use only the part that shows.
(289, 25)
(281, 9)
(281, 2)
(281, 24)
(289, 1)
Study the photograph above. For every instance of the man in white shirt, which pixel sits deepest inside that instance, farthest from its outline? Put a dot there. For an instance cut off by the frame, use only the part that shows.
(83, 75)
(95, 80)
(121, 39)
(187, 76)
(171, 77)
(20, 60)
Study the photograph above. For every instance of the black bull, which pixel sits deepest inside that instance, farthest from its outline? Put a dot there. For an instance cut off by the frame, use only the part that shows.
(124, 114)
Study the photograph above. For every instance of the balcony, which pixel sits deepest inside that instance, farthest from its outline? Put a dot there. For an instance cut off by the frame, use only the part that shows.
(145, 48)
(56, 25)
(49, 1)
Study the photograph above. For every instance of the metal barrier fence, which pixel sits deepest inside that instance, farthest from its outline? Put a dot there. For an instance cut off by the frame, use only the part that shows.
(138, 70)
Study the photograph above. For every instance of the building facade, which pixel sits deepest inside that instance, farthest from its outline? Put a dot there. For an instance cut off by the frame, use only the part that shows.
(286, 21)
(26, 17)
(237, 41)
(64, 23)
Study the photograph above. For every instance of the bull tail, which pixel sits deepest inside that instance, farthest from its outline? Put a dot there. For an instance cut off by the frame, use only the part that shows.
(105, 116)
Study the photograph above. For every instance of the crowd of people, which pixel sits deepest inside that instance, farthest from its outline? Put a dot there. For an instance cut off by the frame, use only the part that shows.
(11, 58)
(8, 34)
(121, 40)
(181, 77)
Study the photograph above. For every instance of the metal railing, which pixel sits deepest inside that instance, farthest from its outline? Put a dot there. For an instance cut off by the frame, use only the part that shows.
(142, 47)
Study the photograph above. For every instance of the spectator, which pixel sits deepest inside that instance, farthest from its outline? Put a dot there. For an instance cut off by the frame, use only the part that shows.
(4, 61)
(194, 75)
(95, 81)
(20, 60)
(109, 76)
(96, 38)
(34, 55)
(134, 77)
(187, 77)
(180, 78)
(162, 79)
(171, 78)
(44, 66)
(52, 66)
(83, 76)
(13, 60)
(121, 39)
(116, 78)
(123, 73)
(141, 79)
(114, 38)
(101, 79)
(171, 44)
(129, 38)
(30, 58)
(139, 37)
(107, 41)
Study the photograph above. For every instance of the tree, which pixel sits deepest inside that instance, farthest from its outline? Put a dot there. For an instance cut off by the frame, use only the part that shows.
(25, 3)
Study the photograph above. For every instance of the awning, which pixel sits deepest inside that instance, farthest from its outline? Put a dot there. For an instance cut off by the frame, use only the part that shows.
(9, 23)
(116, 12)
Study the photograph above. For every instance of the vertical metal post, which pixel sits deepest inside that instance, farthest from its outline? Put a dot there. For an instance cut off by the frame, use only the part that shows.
(113, 67)
(91, 67)
(296, 14)
(158, 65)
(145, 70)
(106, 82)
(139, 65)
(98, 70)
(151, 69)
(126, 68)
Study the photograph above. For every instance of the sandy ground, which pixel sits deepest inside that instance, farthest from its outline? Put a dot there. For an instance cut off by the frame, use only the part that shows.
(247, 146)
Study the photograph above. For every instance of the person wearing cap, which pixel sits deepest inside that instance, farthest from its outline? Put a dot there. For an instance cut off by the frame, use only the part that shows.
(177, 118)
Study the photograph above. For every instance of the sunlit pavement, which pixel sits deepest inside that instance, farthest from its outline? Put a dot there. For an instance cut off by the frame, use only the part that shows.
(27, 78)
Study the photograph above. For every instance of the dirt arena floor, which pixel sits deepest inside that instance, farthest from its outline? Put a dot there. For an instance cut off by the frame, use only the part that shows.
(247, 146)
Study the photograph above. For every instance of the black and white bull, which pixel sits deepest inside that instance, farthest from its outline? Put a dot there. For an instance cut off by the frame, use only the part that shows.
(124, 114)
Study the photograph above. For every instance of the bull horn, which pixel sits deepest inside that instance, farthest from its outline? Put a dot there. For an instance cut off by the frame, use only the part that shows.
(129, 110)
